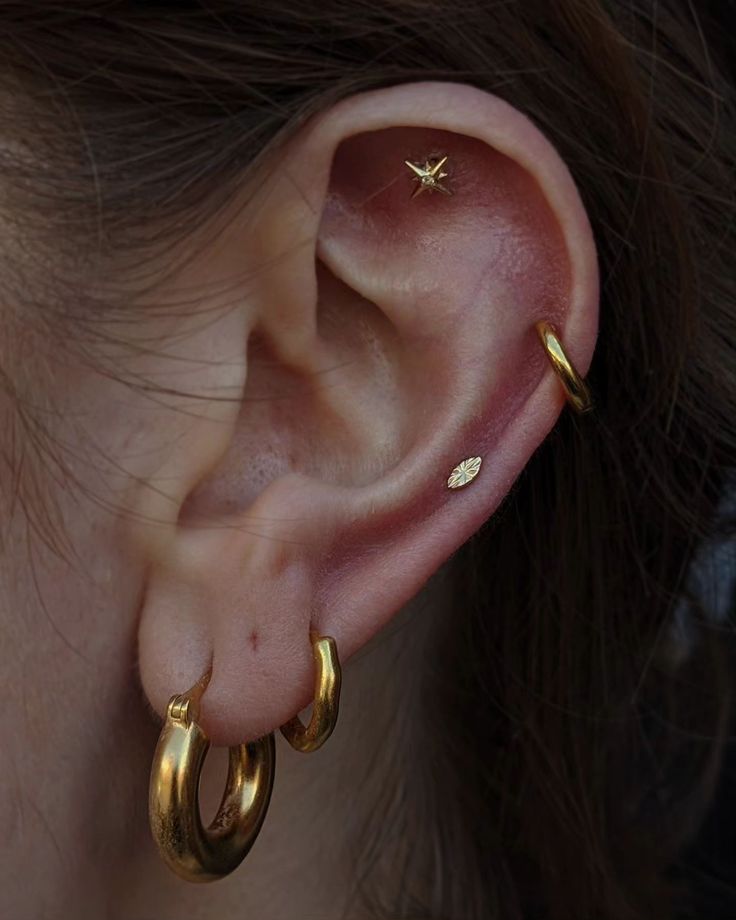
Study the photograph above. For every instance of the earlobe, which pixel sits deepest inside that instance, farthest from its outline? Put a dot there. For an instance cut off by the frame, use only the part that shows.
(398, 341)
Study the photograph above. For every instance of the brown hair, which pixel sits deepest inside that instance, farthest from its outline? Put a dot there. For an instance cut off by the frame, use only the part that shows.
(581, 734)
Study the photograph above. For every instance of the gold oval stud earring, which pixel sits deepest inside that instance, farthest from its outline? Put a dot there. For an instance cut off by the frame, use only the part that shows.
(464, 473)
(576, 389)
(193, 852)
(327, 684)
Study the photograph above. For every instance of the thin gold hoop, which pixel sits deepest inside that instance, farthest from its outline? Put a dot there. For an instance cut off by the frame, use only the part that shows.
(193, 852)
(576, 389)
(327, 683)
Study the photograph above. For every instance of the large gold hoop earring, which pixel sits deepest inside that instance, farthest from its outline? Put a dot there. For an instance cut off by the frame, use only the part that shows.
(576, 389)
(327, 683)
(193, 852)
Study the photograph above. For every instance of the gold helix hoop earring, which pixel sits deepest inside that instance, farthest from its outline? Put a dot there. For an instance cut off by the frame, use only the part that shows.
(327, 683)
(191, 851)
(576, 390)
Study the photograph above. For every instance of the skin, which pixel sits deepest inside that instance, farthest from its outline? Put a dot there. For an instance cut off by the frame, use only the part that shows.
(359, 345)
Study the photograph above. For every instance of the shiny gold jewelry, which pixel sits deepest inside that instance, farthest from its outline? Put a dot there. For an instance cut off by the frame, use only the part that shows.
(327, 683)
(576, 390)
(429, 177)
(464, 473)
(191, 851)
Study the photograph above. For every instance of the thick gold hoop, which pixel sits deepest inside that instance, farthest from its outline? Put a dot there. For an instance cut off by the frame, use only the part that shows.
(193, 852)
(576, 390)
(327, 683)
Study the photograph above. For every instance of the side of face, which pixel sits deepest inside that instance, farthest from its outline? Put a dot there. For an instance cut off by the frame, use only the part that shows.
(262, 451)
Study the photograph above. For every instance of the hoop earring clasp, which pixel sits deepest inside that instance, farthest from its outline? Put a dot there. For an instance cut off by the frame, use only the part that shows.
(327, 683)
(193, 852)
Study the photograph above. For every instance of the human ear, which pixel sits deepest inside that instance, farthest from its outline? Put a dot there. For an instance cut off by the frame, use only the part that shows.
(382, 339)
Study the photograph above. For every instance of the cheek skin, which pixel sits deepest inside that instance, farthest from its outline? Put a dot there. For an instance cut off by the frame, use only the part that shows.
(72, 586)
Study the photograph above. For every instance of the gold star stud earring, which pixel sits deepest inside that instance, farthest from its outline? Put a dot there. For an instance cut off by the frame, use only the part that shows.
(429, 177)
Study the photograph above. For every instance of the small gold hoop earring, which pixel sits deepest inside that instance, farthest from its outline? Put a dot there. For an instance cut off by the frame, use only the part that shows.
(576, 389)
(327, 683)
(193, 852)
